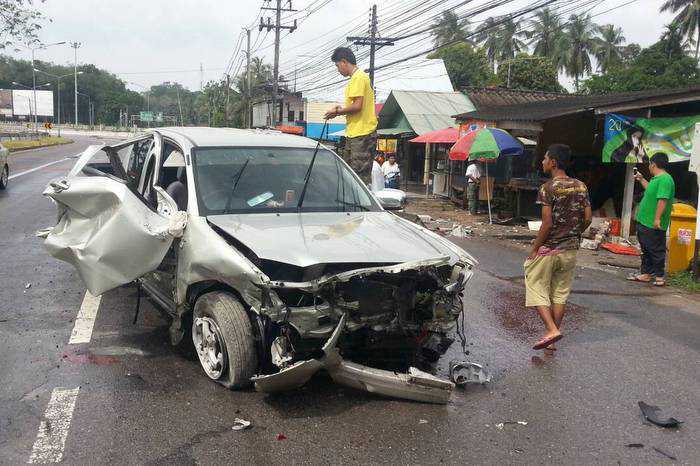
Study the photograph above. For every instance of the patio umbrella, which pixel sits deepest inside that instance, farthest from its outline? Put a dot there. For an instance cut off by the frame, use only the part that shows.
(440, 136)
(485, 145)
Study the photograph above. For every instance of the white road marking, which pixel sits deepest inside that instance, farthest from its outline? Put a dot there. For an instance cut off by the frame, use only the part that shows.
(54, 427)
(26, 172)
(85, 320)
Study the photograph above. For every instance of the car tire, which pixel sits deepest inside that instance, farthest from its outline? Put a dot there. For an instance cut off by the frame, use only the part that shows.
(223, 339)
(4, 177)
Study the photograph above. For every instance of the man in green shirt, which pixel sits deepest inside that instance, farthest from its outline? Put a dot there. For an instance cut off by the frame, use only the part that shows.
(653, 218)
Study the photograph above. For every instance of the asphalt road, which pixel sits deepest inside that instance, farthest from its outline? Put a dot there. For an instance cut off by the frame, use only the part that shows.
(139, 401)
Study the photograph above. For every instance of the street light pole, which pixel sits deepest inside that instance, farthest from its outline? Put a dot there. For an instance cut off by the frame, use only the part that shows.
(33, 49)
(75, 46)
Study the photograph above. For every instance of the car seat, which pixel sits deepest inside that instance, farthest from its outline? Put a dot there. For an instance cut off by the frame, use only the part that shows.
(178, 189)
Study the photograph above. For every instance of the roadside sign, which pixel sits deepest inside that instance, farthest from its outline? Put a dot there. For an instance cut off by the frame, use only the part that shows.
(158, 117)
(48, 125)
(146, 116)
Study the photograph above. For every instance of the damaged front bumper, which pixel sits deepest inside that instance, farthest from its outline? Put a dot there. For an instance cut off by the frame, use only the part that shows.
(416, 385)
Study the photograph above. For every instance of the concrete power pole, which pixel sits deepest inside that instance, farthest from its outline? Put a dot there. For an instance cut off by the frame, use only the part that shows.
(277, 27)
(249, 92)
(373, 41)
(75, 46)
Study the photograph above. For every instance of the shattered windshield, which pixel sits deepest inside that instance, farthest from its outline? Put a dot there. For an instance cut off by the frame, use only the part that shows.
(271, 179)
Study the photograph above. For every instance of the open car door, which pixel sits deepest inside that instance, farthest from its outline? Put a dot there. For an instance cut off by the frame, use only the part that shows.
(106, 229)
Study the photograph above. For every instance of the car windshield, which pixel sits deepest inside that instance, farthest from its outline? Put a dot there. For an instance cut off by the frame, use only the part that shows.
(271, 179)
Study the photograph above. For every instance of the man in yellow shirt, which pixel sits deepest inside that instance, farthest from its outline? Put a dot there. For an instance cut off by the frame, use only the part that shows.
(361, 127)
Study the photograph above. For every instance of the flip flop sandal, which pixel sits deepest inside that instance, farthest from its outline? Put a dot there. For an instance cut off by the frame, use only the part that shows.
(544, 342)
(635, 278)
(659, 282)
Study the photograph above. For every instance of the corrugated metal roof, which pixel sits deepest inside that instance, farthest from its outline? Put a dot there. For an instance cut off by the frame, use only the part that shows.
(486, 97)
(568, 104)
(424, 111)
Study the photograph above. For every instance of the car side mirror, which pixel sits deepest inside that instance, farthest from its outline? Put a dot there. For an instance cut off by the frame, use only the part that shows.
(390, 204)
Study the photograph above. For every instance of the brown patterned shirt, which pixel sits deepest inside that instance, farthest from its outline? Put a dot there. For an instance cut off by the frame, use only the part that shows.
(568, 198)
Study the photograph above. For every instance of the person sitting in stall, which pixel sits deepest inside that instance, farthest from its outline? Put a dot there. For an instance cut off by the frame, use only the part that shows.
(377, 174)
(391, 172)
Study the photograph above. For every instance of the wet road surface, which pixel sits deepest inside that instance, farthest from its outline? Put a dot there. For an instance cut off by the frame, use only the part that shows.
(141, 401)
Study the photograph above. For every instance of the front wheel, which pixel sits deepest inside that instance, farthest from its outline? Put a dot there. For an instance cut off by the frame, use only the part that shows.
(4, 177)
(222, 335)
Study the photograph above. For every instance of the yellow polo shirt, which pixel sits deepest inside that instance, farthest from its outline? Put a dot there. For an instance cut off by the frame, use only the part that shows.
(363, 122)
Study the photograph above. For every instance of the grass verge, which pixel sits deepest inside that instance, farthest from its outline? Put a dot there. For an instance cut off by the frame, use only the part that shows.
(41, 142)
(685, 281)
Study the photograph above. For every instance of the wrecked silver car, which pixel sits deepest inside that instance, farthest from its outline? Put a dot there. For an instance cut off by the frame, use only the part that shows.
(268, 252)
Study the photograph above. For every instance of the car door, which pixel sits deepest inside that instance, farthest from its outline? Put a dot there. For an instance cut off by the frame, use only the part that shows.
(107, 229)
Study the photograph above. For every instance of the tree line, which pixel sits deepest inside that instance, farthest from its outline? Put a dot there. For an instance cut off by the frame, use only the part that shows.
(530, 54)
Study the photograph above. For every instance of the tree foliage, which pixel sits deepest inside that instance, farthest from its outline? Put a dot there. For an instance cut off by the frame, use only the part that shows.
(449, 28)
(687, 18)
(579, 44)
(466, 65)
(526, 72)
(609, 46)
(653, 68)
(19, 23)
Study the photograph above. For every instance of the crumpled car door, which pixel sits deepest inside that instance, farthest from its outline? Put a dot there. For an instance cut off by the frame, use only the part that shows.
(106, 231)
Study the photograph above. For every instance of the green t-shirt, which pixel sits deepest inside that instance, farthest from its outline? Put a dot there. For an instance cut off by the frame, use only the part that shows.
(660, 187)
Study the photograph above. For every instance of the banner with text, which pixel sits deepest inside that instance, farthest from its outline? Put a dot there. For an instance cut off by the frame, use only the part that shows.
(635, 140)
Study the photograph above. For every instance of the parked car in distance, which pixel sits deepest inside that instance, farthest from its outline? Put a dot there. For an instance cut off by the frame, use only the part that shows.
(267, 252)
(4, 167)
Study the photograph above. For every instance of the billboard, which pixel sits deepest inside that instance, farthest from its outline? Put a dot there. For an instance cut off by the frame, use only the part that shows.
(23, 102)
(635, 140)
(5, 102)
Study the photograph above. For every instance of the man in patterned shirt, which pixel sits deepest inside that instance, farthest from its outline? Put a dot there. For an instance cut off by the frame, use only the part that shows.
(549, 268)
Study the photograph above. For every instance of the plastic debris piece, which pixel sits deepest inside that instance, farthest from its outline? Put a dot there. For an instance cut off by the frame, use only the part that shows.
(281, 437)
(501, 425)
(240, 424)
(27, 286)
(423, 421)
(667, 455)
(650, 413)
(465, 372)
(461, 231)
(635, 445)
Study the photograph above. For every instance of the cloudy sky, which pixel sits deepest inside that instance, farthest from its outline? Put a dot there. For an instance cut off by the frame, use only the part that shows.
(148, 42)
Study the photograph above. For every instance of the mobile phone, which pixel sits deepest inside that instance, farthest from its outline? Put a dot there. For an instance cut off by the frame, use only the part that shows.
(635, 171)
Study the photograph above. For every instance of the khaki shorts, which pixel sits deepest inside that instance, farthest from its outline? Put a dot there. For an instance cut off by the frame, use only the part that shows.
(548, 279)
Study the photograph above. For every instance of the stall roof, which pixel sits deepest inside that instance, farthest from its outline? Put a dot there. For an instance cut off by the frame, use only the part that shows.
(566, 104)
(487, 97)
(423, 111)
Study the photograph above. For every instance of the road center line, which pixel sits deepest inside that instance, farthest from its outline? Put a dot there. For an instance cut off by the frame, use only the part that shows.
(54, 427)
(85, 320)
(31, 170)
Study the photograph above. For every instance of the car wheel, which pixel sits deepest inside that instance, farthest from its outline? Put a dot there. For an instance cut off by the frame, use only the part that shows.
(222, 335)
(4, 177)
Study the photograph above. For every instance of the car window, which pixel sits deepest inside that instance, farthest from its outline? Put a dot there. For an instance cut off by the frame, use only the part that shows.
(133, 158)
(272, 180)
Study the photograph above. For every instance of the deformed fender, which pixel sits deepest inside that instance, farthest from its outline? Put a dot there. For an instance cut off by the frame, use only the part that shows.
(205, 255)
(416, 385)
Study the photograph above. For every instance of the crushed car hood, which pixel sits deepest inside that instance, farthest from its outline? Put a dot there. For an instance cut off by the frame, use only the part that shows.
(331, 237)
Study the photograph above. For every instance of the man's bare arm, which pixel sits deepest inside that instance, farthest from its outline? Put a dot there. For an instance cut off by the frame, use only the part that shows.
(587, 218)
(544, 231)
(660, 207)
(354, 107)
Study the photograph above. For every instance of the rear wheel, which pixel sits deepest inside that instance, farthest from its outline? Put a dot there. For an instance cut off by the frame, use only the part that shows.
(223, 338)
(4, 177)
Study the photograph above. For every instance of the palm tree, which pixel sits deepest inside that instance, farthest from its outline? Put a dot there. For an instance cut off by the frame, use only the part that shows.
(580, 43)
(673, 41)
(608, 50)
(489, 36)
(449, 28)
(546, 36)
(687, 18)
(510, 38)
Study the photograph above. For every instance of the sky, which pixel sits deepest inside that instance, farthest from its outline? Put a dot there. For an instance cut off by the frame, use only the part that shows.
(149, 42)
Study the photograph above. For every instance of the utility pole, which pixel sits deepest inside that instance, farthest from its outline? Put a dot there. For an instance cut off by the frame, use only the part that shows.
(277, 27)
(228, 87)
(201, 76)
(373, 41)
(75, 46)
(249, 92)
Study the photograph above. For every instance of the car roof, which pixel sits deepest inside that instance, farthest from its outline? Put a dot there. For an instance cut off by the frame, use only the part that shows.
(202, 136)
